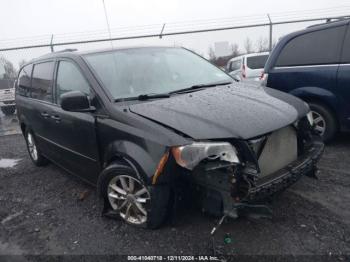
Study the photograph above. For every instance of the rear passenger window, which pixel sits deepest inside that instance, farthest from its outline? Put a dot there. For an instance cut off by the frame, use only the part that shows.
(24, 78)
(346, 48)
(257, 62)
(42, 81)
(69, 78)
(315, 48)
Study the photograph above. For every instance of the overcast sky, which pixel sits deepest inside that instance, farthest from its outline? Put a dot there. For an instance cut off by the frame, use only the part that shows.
(27, 18)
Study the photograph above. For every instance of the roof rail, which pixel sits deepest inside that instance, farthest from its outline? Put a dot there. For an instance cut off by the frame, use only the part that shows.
(66, 50)
(332, 20)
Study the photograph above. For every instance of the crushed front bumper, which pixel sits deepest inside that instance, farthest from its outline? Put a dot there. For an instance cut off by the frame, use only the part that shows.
(217, 184)
(285, 177)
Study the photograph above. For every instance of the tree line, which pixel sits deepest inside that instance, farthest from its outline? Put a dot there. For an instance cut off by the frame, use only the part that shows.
(260, 45)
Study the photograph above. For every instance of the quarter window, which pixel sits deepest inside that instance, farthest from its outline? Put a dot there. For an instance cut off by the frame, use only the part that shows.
(315, 48)
(346, 48)
(42, 81)
(69, 78)
(24, 80)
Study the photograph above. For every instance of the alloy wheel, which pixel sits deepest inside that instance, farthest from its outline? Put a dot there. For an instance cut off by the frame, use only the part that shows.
(32, 147)
(129, 197)
(319, 122)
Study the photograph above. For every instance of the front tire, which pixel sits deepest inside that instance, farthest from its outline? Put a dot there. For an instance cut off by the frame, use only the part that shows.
(324, 121)
(134, 202)
(8, 110)
(35, 155)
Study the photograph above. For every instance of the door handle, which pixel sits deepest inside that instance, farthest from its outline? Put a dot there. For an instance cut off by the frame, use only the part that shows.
(56, 118)
(44, 114)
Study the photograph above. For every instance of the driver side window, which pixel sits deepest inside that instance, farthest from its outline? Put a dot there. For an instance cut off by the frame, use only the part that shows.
(69, 78)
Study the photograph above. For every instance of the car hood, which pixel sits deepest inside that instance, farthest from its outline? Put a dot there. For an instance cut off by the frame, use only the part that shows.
(235, 111)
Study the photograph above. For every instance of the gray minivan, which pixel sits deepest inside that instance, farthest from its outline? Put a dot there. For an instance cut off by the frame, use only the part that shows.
(144, 124)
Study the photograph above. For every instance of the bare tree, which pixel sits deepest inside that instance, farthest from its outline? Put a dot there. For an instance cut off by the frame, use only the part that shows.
(234, 50)
(262, 44)
(248, 45)
(8, 68)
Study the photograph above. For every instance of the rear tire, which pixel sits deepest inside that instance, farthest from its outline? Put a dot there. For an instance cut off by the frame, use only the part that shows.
(8, 110)
(119, 198)
(324, 121)
(33, 150)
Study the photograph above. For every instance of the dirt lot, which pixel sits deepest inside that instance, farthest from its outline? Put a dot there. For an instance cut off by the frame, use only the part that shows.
(46, 211)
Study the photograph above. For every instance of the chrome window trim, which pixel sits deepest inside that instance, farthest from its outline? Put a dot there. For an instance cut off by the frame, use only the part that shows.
(308, 66)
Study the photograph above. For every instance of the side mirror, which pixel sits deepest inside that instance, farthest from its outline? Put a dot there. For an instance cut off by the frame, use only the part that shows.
(75, 101)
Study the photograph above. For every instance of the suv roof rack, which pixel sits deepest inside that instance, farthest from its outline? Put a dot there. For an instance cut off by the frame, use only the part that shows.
(332, 20)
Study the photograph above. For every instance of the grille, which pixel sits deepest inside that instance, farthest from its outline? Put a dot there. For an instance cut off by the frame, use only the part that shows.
(281, 148)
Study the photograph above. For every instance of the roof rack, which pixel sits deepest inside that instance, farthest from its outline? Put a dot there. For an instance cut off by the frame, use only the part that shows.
(332, 20)
(67, 50)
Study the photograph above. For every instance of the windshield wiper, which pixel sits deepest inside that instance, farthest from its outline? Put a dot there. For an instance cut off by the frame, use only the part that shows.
(143, 97)
(200, 86)
(150, 96)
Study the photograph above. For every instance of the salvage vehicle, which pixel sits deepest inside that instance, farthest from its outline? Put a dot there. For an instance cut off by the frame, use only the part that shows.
(7, 96)
(136, 121)
(314, 65)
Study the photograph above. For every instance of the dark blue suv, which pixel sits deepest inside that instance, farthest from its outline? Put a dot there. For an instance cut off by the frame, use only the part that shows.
(314, 65)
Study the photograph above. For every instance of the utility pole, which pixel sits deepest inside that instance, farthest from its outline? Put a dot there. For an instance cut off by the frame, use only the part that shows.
(51, 44)
(270, 36)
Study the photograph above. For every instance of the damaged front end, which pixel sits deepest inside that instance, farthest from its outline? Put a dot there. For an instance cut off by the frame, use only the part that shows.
(231, 177)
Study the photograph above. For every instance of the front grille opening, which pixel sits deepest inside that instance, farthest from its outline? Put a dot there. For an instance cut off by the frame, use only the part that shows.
(280, 149)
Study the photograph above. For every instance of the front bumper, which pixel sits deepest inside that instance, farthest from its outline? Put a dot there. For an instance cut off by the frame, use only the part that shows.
(221, 198)
(287, 176)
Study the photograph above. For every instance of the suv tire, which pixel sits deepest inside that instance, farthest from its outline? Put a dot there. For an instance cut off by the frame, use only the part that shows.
(154, 201)
(8, 110)
(330, 122)
(34, 152)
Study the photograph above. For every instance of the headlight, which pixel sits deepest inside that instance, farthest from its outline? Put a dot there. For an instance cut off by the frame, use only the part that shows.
(310, 118)
(189, 156)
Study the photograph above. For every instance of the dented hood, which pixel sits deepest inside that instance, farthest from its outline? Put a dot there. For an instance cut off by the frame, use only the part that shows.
(234, 111)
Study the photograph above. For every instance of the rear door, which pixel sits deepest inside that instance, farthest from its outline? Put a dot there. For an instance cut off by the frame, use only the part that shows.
(255, 66)
(309, 60)
(344, 82)
(38, 104)
(73, 133)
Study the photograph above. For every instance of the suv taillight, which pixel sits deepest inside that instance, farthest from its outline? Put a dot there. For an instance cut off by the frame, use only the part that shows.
(244, 75)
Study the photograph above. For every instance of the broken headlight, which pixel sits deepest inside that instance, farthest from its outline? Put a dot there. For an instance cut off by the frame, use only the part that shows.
(189, 156)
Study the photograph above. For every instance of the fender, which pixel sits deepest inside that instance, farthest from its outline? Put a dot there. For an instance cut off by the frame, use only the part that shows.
(137, 156)
(316, 93)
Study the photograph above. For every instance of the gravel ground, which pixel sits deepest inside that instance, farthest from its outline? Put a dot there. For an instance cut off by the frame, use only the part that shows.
(47, 211)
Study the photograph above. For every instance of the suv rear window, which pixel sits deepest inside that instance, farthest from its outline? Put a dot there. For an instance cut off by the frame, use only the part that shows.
(257, 62)
(42, 81)
(314, 48)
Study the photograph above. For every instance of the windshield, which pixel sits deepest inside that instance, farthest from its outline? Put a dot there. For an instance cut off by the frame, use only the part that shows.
(257, 62)
(133, 72)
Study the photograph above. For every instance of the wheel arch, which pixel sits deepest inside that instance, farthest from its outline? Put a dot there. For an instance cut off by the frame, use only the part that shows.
(128, 153)
(318, 95)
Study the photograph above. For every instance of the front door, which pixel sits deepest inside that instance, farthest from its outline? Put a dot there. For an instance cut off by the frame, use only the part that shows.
(74, 133)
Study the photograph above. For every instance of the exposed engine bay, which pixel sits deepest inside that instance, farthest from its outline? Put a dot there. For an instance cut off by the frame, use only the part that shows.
(266, 165)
